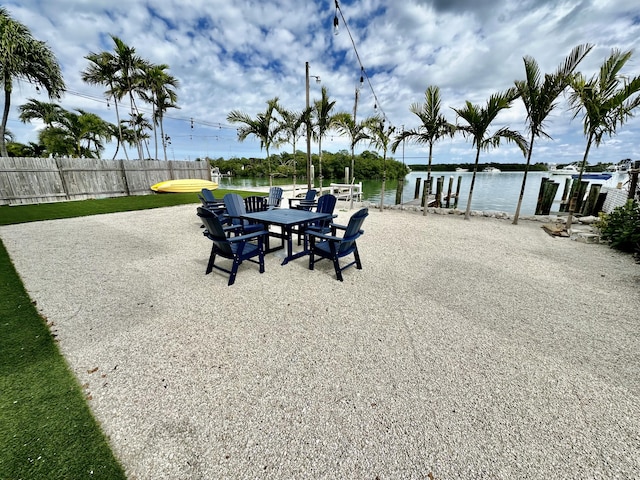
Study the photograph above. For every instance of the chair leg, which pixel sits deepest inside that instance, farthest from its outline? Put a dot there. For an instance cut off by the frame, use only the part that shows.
(212, 260)
(312, 259)
(357, 255)
(336, 266)
(261, 260)
(234, 270)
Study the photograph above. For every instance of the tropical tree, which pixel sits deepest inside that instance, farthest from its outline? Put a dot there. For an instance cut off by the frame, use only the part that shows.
(129, 68)
(139, 126)
(434, 125)
(291, 123)
(103, 70)
(78, 134)
(22, 57)
(478, 120)
(356, 131)
(606, 101)
(263, 127)
(34, 109)
(159, 90)
(380, 138)
(324, 121)
(540, 97)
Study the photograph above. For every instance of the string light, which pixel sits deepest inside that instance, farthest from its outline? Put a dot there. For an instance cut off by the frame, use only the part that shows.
(363, 72)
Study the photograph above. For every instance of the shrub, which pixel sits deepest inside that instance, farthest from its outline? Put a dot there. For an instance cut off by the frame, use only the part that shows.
(621, 228)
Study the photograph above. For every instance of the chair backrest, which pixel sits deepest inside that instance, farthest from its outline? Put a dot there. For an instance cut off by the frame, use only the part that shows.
(235, 207)
(215, 231)
(208, 195)
(326, 203)
(353, 229)
(311, 194)
(255, 203)
(275, 197)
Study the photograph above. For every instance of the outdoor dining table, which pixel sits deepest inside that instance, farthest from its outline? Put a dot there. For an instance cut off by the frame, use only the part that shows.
(288, 219)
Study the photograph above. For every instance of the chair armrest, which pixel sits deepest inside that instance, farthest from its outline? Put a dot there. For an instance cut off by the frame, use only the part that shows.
(338, 226)
(324, 236)
(248, 236)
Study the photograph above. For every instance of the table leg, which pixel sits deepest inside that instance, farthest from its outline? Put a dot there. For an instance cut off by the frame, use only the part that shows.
(287, 234)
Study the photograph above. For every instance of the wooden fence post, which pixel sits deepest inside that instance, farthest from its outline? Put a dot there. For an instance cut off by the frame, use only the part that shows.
(455, 203)
(399, 191)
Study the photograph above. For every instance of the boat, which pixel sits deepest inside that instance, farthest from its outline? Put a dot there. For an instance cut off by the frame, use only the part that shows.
(183, 185)
(593, 176)
(622, 166)
(491, 170)
(461, 170)
(568, 170)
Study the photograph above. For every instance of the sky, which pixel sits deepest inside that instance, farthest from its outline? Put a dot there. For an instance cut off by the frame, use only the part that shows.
(237, 55)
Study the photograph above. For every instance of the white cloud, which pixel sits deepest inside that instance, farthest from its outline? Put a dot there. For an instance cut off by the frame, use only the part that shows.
(237, 55)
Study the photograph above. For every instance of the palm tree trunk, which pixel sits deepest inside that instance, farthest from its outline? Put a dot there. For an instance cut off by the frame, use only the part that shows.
(294, 165)
(135, 128)
(164, 143)
(428, 184)
(5, 118)
(574, 198)
(384, 180)
(155, 133)
(120, 141)
(524, 181)
(269, 168)
(320, 161)
(467, 213)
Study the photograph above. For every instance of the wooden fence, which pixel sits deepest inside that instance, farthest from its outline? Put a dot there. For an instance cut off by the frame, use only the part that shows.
(39, 180)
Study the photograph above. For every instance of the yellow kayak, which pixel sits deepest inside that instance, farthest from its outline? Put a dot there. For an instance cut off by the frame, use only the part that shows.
(183, 185)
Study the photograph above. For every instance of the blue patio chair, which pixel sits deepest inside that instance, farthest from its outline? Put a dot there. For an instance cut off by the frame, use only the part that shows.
(304, 203)
(274, 198)
(255, 203)
(224, 221)
(334, 247)
(237, 249)
(209, 201)
(326, 204)
(235, 209)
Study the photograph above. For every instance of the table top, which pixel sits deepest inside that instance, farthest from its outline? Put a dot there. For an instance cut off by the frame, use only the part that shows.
(286, 216)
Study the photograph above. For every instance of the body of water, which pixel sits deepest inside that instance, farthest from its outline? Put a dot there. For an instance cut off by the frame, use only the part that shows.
(492, 191)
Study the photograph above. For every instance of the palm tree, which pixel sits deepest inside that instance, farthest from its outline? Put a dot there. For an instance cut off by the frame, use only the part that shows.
(291, 124)
(380, 138)
(139, 125)
(324, 121)
(34, 109)
(434, 125)
(606, 101)
(539, 99)
(160, 93)
(129, 69)
(478, 120)
(22, 57)
(165, 100)
(263, 127)
(356, 131)
(78, 134)
(102, 70)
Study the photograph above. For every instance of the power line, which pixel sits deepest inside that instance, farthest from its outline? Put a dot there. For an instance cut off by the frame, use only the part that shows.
(204, 123)
(362, 69)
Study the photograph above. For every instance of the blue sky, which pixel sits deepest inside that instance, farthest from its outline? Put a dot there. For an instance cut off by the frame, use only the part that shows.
(237, 55)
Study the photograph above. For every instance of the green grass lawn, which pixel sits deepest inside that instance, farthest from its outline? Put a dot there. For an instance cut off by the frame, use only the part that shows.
(47, 430)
